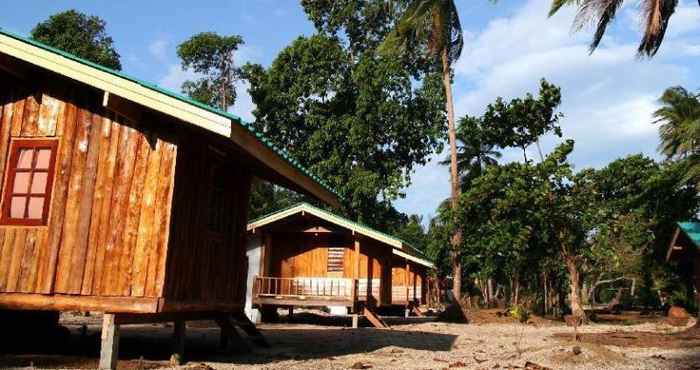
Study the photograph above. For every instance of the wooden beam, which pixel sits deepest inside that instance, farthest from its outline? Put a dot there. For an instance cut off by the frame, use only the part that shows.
(123, 107)
(109, 352)
(673, 243)
(64, 302)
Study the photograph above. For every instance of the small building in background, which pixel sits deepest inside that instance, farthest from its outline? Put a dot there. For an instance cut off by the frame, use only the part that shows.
(685, 250)
(304, 256)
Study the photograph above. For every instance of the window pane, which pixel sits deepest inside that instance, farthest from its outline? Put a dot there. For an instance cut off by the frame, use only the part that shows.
(39, 182)
(17, 207)
(42, 159)
(21, 182)
(25, 158)
(36, 207)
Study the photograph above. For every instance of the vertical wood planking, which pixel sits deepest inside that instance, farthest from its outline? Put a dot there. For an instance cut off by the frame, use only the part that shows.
(158, 259)
(105, 223)
(16, 261)
(6, 256)
(68, 122)
(29, 124)
(93, 254)
(128, 145)
(17, 116)
(145, 237)
(87, 194)
(71, 221)
(49, 111)
(132, 217)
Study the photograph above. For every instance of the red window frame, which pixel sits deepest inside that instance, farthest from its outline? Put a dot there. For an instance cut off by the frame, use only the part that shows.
(16, 146)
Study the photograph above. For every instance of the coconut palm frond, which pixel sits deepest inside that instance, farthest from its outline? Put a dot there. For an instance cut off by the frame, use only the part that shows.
(558, 4)
(655, 14)
(679, 119)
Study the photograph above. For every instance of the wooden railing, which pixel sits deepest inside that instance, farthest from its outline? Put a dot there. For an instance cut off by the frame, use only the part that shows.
(398, 293)
(266, 286)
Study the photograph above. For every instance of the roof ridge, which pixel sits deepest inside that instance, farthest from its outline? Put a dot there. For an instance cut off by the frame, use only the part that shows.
(372, 229)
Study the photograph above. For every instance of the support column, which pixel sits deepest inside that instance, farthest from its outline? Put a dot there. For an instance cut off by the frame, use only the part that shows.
(109, 352)
(356, 275)
(355, 320)
(179, 335)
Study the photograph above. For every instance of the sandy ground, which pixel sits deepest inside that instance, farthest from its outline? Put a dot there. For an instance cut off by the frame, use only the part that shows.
(410, 344)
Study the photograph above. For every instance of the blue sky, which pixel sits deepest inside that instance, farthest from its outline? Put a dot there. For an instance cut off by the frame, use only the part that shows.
(608, 97)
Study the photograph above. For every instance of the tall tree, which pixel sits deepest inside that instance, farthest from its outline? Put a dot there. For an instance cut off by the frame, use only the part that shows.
(520, 122)
(434, 26)
(679, 117)
(212, 56)
(654, 15)
(79, 34)
(474, 152)
(360, 120)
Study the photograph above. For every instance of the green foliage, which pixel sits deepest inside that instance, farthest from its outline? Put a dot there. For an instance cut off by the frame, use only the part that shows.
(679, 130)
(520, 122)
(359, 121)
(266, 198)
(474, 152)
(211, 56)
(79, 34)
(412, 231)
(519, 313)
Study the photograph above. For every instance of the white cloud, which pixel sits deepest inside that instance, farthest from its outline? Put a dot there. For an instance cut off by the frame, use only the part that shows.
(159, 49)
(607, 98)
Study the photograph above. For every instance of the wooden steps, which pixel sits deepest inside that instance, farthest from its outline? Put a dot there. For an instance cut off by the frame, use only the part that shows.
(374, 319)
(228, 324)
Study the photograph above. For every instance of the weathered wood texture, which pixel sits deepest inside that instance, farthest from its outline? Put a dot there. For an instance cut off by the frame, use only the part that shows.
(108, 225)
(417, 282)
(206, 257)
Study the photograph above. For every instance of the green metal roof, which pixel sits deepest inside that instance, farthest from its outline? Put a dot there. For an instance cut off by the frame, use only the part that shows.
(342, 220)
(259, 135)
(692, 231)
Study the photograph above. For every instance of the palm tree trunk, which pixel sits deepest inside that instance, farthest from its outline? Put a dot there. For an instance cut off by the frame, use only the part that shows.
(456, 239)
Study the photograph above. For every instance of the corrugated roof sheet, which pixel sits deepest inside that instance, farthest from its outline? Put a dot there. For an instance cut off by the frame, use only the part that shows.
(692, 231)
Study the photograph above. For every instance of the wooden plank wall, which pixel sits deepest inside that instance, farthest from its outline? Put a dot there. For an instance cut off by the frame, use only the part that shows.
(299, 254)
(205, 267)
(109, 215)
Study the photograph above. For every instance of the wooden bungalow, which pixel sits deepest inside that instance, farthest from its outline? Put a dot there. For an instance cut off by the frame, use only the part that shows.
(304, 256)
(123, 198)
(685, 249)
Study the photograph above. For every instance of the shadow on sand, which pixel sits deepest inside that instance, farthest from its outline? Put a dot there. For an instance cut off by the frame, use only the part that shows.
(149, 346)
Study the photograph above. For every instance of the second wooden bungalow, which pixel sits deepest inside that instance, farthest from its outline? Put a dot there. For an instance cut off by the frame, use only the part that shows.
(304, 256)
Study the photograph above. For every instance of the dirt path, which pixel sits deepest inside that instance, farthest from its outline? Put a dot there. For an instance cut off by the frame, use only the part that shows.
(416, 345)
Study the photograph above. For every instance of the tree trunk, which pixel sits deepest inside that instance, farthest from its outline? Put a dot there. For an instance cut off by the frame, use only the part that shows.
(574, 287)
(456, 239)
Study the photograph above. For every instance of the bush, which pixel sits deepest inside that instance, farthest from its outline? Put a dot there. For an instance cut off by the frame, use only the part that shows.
(519, 313)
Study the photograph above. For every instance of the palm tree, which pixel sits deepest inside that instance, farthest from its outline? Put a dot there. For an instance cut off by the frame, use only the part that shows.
(435, 25)
(474, 154)
(679, 132)
(679, 117)
(654, 14)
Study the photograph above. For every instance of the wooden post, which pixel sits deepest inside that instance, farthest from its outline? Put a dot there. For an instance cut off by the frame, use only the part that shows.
(179, 335)
(109, 353)
(356, 273)
(265, 255)
(291, 312)
(355, 320)
(407, 281)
